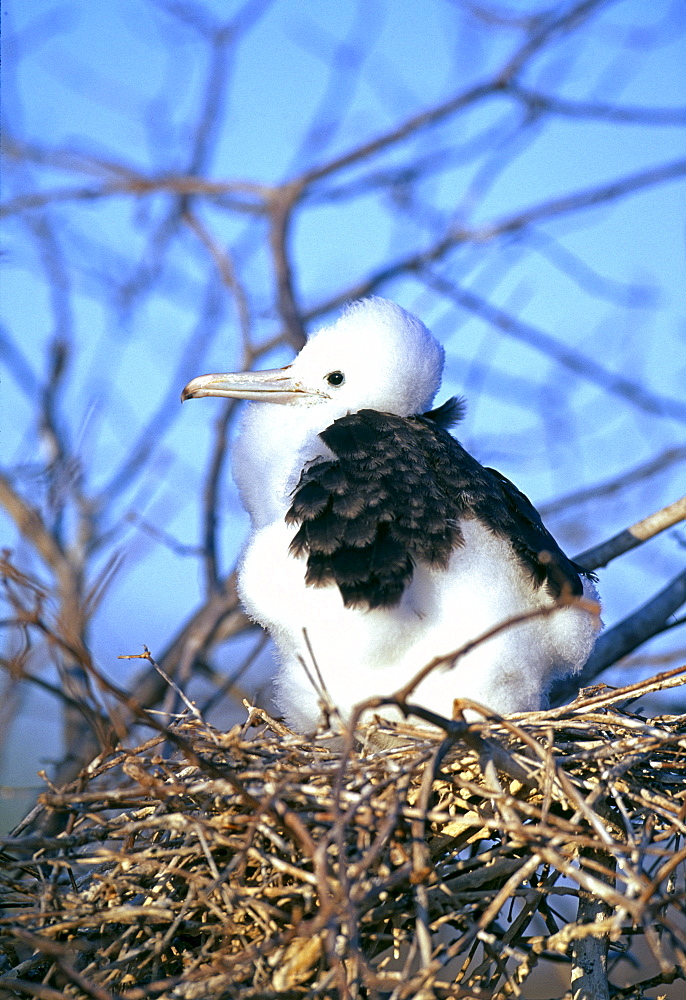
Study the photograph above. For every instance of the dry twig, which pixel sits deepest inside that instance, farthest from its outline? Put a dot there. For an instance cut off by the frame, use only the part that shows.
(268, 865)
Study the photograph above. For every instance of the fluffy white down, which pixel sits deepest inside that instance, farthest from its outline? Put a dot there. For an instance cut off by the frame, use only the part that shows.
(392, 363)
(365, 653)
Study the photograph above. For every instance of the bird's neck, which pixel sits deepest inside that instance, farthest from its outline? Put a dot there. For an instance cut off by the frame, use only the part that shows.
(274, 442)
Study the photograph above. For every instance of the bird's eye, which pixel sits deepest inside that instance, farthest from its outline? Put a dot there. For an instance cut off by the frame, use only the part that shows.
(335, 378)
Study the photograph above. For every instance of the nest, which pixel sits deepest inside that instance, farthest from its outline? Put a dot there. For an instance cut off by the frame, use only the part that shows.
(256, 863)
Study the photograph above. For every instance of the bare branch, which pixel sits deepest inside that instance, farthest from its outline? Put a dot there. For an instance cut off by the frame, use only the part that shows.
(538, 102)
(414, 124)
(344, 60)
(140, 186)
(281, 217)
(547, 26)
(583, 199)
(215, 621)
(584, 367)
(418, 262)
(227, 271)
(426, 119)
(624, 294)
(589, 951)
(30, 525)
(608, 488)
(149, 438)
(17, 362)
(630, 538)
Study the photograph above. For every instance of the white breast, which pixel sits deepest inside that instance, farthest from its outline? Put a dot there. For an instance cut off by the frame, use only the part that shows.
(361, 654)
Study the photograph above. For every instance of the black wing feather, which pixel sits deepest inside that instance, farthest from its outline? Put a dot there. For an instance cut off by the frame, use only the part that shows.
(394, 496)
(536, 547)
(448, 414)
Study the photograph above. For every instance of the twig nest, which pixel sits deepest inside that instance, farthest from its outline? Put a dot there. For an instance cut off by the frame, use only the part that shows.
(273, 865)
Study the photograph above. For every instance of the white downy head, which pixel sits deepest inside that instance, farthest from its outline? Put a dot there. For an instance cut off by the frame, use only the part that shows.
(387, 358)
(375, 356)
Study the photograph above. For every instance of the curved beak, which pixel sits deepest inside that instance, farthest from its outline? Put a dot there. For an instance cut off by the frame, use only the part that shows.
(276, 385)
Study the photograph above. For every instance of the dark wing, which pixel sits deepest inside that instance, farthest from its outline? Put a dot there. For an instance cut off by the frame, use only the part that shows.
(394, 495)
(534, 544)
(369, 515)
(448, 414)
(490, 497)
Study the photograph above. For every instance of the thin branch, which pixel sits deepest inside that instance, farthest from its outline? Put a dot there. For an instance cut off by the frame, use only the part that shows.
(16, 362)
(139, 186)
(227, 271)
(64, 158)
(465, 99)
(218, 619)
(213, 99)
(541, 103)
(30, 525)
(417, 262)
(582, 365)
(630, 538)
(344, 60)
(150, 437)
(413, 125)
(609, 487)
(547, 27)
(579, 200)
(164, 537)
(281, 218)
(589, 702)
(624, 294)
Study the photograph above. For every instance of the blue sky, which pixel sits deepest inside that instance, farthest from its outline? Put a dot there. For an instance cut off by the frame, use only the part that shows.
(123, 82)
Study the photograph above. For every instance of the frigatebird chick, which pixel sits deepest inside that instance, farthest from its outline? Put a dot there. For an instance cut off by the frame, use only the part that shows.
(379, 543)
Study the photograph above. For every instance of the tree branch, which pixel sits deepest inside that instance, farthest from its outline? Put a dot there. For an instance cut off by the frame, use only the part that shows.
(30, 525)
(589, 952)
(539, 102)
(630, 538)
(582, 365)
(281, 217)
(672, 456)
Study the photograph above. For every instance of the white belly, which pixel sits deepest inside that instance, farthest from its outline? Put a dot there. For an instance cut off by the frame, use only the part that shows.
(361, 654)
